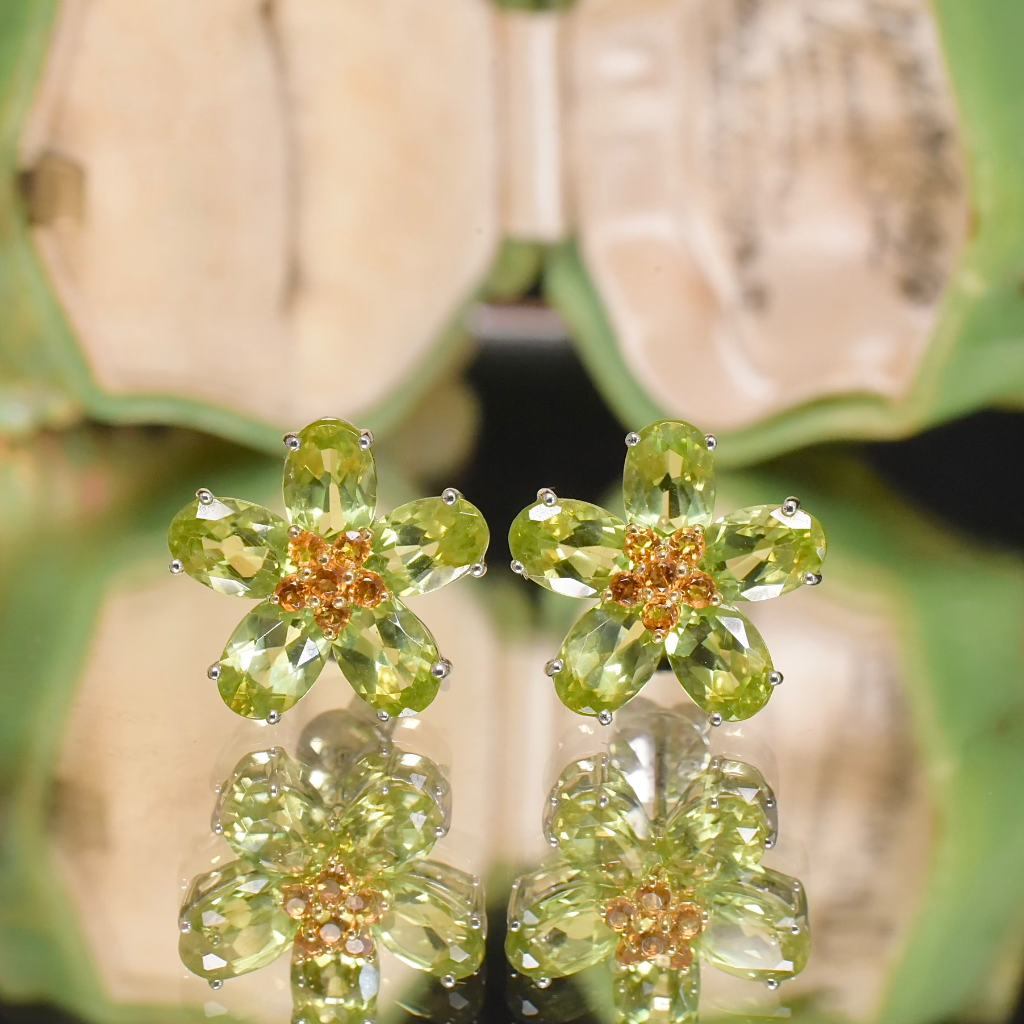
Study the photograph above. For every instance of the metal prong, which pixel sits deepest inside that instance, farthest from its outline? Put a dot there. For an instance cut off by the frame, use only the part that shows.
(517, 567)
(604, 717)
(213, 672)
(176, 566)
(769, 843)
(515, 924)
(383, 716)
(273, 717)
(543, 983)
(478, 569)
(448, 981)
(292, 442)
(205, 496)
(547, 496)
(775, 678)
(450, 495)
(791, 506)
(710, 442)
(184, 926)
(772, 984)
(632, 439)
(795, 929)
(441, 668)
(440, 832)
(812, 579)
(365, 439)
(716, 719)
(553, 667)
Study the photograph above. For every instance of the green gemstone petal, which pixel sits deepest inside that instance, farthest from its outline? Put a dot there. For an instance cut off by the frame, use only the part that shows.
(572, 547)
(398, 806)
(231, 923)
(334, 989)
(648, 994)
(269, 816)
(597, 822)
(428, 543)
(722, 662)
(760, 552)
(758, 927)
(555, 926)
(606, 659)
(230, 545)
(437, 920)
(386, 653)
(330, 482)
(271, 661)
(725, 821)
(669, 478)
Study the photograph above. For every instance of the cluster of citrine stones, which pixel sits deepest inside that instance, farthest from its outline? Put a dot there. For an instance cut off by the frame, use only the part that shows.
(655, 924)
(334, 910)
(663, 575)
(669, 579)
(330, 578)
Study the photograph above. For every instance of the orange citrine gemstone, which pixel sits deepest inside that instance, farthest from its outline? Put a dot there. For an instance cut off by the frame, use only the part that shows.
(626, 588)
(353, 547)
(687, 545)
(368, 589)
(291, 594)
(660, 615)
(698, 589)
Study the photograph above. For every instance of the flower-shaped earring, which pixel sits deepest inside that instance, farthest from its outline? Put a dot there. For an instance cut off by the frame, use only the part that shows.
(666, 582)
(649, 885)
(332, 862)
(332, 579)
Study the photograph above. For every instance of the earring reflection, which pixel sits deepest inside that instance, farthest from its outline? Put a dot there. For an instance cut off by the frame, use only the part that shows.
(656, 866)
(332, 844)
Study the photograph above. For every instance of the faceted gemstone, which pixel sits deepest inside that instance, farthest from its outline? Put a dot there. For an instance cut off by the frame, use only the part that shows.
(386, 654)
(760, 552)
(640, 544)
(353, 546)
(426, 544)
(723, 824)
(649, 994)
(722, 663)
(659, 751)
(626, 588)
(437, 919)
(662, 575)
(233, 546)
(597, 821)
(697, 589)
(399, 804)
(290, 595)
(758, 927)
(232, 923)
(669, 478)
(272, 659)
(269, 816)
(555, 924)
(368, 589)
(307, 549)
(571, 547)
(607, 657)
(330, 483)
(619, 913)
(333, 620)
(688, 545)
(660, 615)
(334, 989)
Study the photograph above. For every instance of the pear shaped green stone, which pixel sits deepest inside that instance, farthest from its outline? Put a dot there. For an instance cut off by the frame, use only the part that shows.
(758, 927)
(648, 994)
(760, 552)
(571, 547)
(386, 653)
(330, 482)
(270, 662)
(334, 989)
(606, 659)
(725, 821)
(428, 543)
(231, 923)
(399, 805)
(555, 924)
(669, 478)
(269, 816)
(437, 919)
(594, 819)
(722, 662)
(230, 545)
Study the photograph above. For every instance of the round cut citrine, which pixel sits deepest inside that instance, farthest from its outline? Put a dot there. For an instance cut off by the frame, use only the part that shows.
(639, 544)
(660, 615)
(655, 897)
(687, 545)
(619, 913)
(306, 548)
(682, 957)
(687, 921)
(626, 589)
(368, 590)
(291, 595)
(627, 953)
(662, 575)
(652, 946)
(353, 547)
(325, 584)
(698, 589)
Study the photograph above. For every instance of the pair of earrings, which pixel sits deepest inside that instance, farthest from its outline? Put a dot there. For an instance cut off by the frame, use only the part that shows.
(333, 579)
